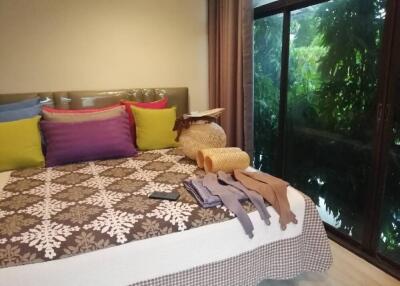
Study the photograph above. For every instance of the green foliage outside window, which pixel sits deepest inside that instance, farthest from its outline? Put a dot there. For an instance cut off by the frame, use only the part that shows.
(333, 72)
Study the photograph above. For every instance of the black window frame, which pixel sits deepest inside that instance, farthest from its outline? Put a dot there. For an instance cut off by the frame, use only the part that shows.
(388, 86)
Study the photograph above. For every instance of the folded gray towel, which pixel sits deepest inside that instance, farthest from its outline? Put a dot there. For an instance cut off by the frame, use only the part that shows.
(214, 190)
(204, 197)
(229, 198)
(255, 198)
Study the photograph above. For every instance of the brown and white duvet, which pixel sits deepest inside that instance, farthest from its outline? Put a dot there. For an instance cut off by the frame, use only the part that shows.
(51, 213)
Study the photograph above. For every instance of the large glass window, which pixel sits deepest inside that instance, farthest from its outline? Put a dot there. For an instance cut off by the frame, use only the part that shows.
(331, 106)
(319, 65)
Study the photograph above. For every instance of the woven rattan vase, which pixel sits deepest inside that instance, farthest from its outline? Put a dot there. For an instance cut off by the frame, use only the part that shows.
(202, 154)
(201, 136)
(226, 162)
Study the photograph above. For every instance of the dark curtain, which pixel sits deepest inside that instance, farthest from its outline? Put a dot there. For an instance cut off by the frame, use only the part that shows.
(230, 46)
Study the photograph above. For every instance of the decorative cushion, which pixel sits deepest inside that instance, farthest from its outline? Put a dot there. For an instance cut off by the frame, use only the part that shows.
(20, 144)
(20, 113)
(159, 104)
(57, 110)
(19, 104)
(81, 116)
(154, 128)
(70, 142)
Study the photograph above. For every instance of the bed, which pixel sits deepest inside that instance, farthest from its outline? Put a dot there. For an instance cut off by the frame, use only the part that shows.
(92, 223)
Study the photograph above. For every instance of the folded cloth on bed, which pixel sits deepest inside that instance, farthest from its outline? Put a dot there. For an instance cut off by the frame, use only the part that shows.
(254, 197)
(207, 200)
(274, 191)
(213, 190)
(230, 200)
(204, 197)
(255, 186)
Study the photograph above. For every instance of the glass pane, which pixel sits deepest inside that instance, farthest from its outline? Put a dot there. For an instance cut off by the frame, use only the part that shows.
(389, 243)
(267, 70)
(332, 94)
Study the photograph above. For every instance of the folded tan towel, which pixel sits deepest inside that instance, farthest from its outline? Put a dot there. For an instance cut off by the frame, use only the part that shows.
(226, 161)
(203, 153)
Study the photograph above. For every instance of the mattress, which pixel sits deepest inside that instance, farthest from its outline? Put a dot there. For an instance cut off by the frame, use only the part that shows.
(151, 244)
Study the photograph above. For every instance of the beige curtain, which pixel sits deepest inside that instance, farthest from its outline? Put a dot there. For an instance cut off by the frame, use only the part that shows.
(230, 45)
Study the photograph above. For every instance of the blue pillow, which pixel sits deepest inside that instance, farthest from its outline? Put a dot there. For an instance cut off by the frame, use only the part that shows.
(22, 113)
(19, 104)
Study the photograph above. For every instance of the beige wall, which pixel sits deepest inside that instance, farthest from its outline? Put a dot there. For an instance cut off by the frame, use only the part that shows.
(48, 45)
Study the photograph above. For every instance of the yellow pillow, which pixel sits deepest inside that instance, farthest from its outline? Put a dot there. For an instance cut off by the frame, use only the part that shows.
(154, 128)
(20, 144)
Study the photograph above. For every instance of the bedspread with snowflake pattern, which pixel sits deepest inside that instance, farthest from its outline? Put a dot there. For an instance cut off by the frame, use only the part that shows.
(52, 213)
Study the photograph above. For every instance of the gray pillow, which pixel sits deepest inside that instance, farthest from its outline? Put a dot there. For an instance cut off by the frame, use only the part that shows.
(19, 104)
(22, 113)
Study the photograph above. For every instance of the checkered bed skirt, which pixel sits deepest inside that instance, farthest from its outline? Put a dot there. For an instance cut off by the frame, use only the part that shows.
(282, 259)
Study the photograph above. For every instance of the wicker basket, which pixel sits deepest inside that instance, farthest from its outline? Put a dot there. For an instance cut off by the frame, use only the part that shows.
(200, 136)
(226, 161)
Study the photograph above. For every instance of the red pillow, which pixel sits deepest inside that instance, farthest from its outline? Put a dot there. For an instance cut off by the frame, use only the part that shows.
(158, 104)
(88, 110)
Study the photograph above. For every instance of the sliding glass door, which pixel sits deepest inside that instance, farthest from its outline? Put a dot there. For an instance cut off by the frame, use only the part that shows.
(332, 99)
(317, 104)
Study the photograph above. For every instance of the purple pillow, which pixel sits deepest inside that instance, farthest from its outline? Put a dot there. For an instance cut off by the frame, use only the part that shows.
(86, 141)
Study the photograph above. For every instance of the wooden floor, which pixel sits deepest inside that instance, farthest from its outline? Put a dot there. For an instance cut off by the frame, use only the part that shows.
(347, 270)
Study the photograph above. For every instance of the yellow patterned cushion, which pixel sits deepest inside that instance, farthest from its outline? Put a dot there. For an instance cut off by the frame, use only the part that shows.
(20, 144)
(154, 128)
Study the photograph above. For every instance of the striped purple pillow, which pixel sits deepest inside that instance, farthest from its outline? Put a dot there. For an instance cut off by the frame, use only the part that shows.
(86, 141)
